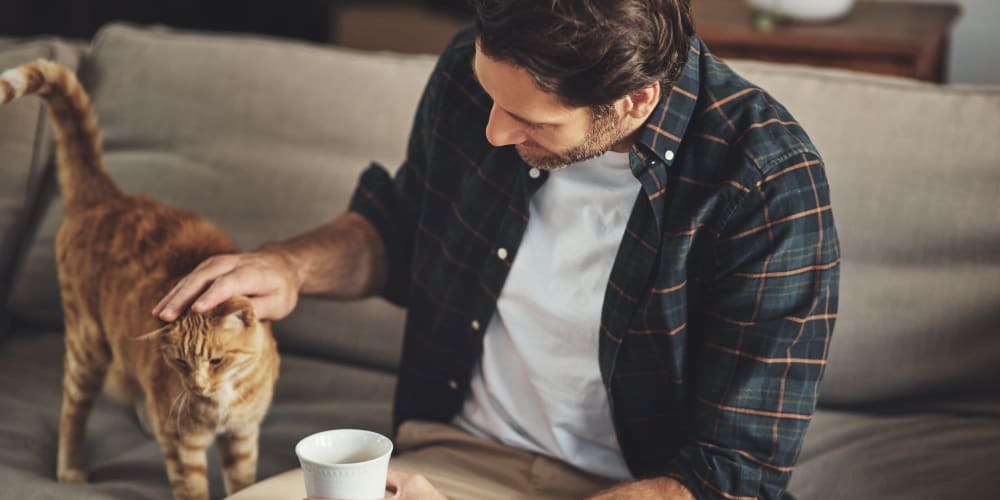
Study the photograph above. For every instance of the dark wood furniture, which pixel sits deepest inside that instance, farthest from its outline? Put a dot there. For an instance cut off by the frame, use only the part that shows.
(897, 38)
(303, 19)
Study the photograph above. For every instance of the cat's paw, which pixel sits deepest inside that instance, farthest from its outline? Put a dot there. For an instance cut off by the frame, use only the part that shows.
(72, 476)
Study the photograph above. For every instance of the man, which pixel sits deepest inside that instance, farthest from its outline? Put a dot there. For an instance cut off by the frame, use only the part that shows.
(631, 274)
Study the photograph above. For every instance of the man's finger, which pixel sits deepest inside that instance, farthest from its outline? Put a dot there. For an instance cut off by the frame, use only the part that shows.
(171, 295)
(393, 480)
(192, 285)
(266, 308)
(218, 292)
(184, 293)
(158, 308)
(167, 309)
(218, 265)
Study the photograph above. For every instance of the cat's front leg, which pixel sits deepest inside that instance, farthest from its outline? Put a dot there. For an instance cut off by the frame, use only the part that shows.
(187, 465)
(84, 367)
(238, 449)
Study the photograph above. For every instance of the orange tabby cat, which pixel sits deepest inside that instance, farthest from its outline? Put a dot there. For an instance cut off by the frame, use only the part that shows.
(202, 377)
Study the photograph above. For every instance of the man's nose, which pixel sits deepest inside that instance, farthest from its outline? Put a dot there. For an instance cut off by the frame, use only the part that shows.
(503, 130)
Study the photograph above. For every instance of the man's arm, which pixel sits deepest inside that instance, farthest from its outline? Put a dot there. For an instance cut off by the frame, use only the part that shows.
(361, 253)
(343, 259)
(764, 322)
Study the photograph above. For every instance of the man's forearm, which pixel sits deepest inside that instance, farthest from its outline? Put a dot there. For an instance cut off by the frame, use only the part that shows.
(661, 488)
(344, 258)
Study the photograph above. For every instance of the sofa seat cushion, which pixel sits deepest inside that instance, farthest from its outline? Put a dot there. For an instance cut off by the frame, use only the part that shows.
(846, 454)
(898, 457)
(312, 395)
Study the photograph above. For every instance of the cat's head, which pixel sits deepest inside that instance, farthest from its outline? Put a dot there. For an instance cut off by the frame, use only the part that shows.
(209, 349)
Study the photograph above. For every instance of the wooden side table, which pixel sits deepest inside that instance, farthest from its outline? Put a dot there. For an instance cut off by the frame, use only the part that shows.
(897, 38)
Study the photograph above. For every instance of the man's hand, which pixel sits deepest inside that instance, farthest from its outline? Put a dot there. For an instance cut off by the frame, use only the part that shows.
(661, 488)
(409, 486)
(269, 279)
(342, 259)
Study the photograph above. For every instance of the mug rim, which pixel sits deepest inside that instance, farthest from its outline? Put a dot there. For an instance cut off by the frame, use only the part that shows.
(300, 444)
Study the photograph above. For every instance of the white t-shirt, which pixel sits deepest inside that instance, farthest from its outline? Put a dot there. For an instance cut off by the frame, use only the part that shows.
(538, 385)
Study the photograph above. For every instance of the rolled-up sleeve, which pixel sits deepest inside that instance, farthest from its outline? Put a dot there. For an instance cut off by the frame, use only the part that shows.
(392, 203)
(766, 321)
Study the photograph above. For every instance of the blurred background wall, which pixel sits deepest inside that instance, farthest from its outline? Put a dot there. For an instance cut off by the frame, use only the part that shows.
(975, 49)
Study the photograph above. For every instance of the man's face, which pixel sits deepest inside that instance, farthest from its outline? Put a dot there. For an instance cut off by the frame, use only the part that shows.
(547, 134)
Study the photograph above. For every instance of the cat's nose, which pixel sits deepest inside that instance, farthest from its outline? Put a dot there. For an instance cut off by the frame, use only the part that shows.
(199, 389)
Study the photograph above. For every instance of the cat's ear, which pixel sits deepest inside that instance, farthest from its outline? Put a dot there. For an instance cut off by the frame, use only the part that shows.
(238, 314)
(239, 320)
(154, 333)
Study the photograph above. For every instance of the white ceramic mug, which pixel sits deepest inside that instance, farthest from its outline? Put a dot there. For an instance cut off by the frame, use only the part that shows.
(346, 464)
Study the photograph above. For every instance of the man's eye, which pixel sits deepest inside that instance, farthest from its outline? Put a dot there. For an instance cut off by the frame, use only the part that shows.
(535, 126)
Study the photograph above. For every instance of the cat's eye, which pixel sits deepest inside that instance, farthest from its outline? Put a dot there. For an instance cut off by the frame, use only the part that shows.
(215, 361)
(181, 362)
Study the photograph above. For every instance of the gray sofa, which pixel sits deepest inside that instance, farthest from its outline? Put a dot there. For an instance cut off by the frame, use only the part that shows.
(267, 138)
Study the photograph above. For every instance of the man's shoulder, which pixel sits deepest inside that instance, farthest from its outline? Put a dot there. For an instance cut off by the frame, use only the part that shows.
(744, 116)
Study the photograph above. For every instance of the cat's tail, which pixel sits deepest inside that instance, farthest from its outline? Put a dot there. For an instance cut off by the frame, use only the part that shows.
(83, 179)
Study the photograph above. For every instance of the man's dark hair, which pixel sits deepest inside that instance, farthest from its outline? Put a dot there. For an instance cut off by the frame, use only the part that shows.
(588, 52)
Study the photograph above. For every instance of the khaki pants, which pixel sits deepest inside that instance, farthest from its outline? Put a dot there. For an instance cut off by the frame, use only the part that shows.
(462, 467)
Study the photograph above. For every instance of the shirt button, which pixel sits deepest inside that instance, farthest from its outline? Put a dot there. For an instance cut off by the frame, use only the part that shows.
(534, 173)
(453, 384)
(669, 155)
(502, 253)
(475, 325)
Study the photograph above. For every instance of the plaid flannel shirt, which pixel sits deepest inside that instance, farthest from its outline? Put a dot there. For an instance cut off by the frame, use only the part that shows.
(718, 314)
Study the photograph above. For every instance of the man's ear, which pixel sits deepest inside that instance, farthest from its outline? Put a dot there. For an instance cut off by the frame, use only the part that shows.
(154, 333)
(640, 104)
(237, 313)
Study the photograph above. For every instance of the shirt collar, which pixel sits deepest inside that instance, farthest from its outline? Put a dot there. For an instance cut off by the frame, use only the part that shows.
(661, 135)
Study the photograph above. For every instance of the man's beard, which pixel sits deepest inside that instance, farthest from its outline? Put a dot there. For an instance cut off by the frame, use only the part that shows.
(606, 130)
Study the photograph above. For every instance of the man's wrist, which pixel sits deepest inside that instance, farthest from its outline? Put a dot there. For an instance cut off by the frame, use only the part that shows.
(292, 260)
(344, 258)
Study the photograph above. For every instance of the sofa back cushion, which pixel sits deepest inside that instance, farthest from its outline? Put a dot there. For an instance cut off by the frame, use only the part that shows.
(264, 137)
(914, 171)
(267, 138)
(25, 147)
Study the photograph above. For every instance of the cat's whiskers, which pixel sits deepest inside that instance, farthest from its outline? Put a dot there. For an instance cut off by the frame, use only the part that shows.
(186, 403)
(173, 405)
(177, 406)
